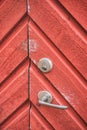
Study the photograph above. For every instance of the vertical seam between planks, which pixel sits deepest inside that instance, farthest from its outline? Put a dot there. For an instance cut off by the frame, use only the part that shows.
(27, 9)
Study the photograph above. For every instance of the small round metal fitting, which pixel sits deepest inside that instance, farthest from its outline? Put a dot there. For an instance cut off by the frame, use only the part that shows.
(45, 65)
(45, 96)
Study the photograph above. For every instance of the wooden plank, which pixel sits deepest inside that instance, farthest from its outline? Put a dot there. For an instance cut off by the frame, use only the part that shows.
(18, 121)
(37, 121)
(14, 63)
(1, 2)
(13, 50)
(14, 92)
(11, 11)
(63, 30)
(78, 9)
(59, 119)
(63, 76)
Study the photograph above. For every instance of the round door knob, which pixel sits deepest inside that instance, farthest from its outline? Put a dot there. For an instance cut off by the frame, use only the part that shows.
(45, 65)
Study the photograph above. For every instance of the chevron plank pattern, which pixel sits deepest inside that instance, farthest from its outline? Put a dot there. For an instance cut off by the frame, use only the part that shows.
(14, 64)
(35, 29)
(59, 33)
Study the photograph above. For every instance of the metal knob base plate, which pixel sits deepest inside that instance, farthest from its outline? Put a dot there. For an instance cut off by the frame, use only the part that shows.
(45, 96)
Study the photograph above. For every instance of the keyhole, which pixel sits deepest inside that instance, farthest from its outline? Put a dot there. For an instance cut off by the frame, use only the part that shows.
(44, 67)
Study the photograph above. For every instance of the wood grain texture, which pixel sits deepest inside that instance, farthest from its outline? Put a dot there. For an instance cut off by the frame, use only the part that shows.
(63, 76)
(37, 121)
(19, 120)
(59, 119)
(78, 8)
(63, 30)
(1, 2)
(14, 92)
(13, 50)
(11, 11)
(57, 33)
(14, 65)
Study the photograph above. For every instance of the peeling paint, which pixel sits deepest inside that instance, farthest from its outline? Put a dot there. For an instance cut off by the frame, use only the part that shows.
(33, 46)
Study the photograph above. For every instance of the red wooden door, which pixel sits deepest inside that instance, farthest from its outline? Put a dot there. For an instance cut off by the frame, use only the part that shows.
(57, 32)
(14, 64)
(29, 31)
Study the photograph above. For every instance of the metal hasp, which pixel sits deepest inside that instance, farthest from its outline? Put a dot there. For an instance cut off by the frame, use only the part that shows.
(45, 65)
(45, 98)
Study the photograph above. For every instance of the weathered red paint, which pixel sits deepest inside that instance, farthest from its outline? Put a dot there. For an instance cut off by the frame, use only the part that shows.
(57, 35)
(11, 11)
(59, 119)
(14, 66)
(37, 121)
(63, 30)
(19, 120)
(13, 50)
(58, 32)
(63, 76)
(78, 9)
(14, 92)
